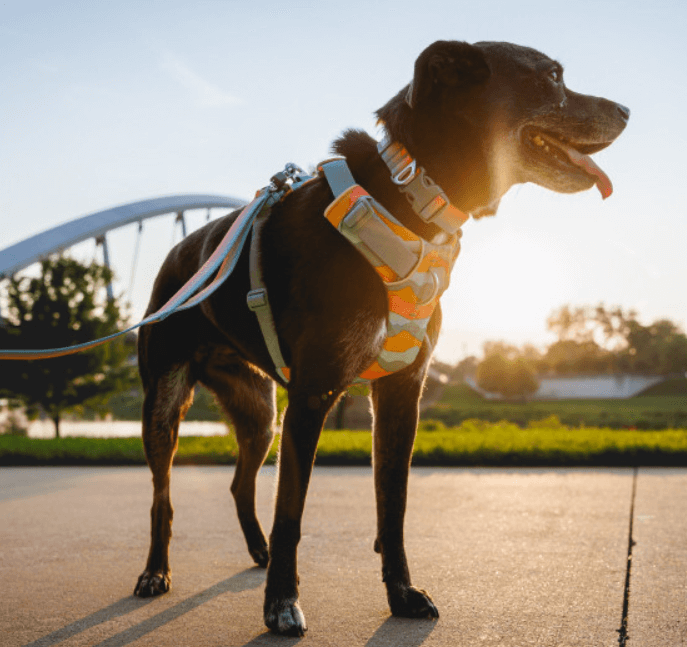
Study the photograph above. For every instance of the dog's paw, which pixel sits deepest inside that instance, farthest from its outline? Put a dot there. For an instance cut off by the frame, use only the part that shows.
(260, 555)
(409, 602)
(285, 617)
(150, 584)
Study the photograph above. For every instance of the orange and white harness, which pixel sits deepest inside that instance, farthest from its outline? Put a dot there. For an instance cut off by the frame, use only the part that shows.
(414, 271)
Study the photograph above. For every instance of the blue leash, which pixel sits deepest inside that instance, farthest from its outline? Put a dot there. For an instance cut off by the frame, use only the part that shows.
(224, 257)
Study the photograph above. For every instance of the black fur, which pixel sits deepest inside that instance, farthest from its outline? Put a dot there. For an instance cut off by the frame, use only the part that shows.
(467, 117)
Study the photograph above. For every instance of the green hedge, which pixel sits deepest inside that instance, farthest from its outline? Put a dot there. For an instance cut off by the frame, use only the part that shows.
(474, 442)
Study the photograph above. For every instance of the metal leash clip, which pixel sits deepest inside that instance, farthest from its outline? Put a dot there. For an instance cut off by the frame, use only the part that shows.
(293, 173)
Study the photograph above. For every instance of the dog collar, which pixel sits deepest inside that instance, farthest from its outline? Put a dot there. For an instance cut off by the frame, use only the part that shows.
(426, 197)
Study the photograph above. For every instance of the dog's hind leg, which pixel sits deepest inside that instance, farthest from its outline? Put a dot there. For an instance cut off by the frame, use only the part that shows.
(166, 401)
(248, 398)
(396, 407)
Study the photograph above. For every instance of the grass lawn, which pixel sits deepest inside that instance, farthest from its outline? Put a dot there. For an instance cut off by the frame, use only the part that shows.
(474, 442)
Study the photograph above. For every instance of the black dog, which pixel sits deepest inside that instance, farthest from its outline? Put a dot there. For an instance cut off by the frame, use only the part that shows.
(479, 119)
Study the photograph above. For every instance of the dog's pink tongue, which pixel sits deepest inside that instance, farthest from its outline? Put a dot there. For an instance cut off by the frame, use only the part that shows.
(603, 182)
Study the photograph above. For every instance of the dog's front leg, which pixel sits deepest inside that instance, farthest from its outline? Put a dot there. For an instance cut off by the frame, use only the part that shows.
(396, 406)
(302, 426)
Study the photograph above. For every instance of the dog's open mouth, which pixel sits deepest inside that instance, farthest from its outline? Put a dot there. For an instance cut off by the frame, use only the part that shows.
(570, 156)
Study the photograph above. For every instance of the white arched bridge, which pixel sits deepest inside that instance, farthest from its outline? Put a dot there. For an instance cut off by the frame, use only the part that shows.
(96, 225)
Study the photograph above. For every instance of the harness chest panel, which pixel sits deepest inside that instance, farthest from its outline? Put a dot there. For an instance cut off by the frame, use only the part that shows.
(415, 273)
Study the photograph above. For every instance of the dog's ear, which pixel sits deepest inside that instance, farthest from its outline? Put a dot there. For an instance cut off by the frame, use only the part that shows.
(446, 63)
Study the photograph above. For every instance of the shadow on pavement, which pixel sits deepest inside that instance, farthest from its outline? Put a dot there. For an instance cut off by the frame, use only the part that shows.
(402, 631)
(120, 608)
(268, 638)
(248, 579)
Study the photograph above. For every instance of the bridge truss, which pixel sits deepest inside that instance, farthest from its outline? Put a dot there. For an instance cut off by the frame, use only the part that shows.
(96, 225)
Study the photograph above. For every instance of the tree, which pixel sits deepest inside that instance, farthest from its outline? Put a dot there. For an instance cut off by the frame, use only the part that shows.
(65, 305)
(509, 377)
(501, 348)
(467, 367)
(599, 339)
(605, 327)
(569, 357)
(492, 373)
(659, 348)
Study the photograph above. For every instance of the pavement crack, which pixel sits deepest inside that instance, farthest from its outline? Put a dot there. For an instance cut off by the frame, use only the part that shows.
(623, 637)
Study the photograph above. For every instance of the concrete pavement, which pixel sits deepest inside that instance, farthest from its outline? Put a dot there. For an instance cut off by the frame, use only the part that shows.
(511, 557)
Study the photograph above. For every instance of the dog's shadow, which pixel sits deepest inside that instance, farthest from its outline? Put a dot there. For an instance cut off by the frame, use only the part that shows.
(393, 631)
(248, 579)
(401, 631)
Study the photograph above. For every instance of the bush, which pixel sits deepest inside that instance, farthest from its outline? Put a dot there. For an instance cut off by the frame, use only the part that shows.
(13, 426)
(511, 378)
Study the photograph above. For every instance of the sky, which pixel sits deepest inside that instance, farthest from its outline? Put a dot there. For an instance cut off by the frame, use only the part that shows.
(105, 103)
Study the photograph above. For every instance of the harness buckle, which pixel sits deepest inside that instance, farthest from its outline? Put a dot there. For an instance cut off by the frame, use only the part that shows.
(278, 180)
(431, 203)
(256, 299)
(402, 166)
(406, 174)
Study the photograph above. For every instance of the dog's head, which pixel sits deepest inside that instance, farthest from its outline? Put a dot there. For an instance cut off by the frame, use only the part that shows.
(481, 118)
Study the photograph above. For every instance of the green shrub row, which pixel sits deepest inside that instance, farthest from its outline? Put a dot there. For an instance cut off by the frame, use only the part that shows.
(474, 442)
(522, 415)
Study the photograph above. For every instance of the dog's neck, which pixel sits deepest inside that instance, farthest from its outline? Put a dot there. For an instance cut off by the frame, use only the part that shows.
(376, 174)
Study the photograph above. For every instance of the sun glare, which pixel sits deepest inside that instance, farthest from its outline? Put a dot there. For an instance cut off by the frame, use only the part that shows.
(508, 285)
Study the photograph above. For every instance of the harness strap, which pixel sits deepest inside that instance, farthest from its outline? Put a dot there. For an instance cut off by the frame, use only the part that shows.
(338, 175)
(256, 298)
(340, 179)
(353, 212)
(258, 302)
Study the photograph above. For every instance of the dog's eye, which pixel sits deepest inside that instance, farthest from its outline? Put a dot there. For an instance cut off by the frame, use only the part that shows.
(555, 75)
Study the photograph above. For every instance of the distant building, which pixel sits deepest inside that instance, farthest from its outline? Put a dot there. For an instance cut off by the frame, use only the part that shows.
(585, 387)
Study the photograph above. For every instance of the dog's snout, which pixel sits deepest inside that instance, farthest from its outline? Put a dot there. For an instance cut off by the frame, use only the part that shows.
(623, 110)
